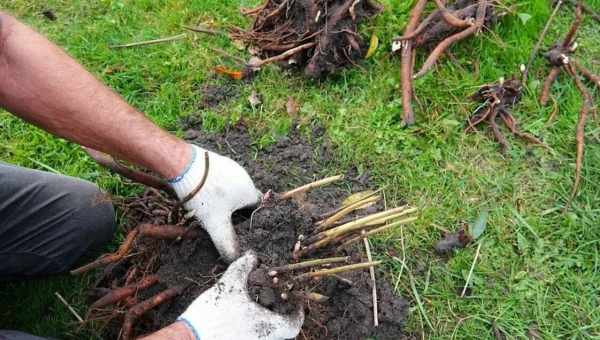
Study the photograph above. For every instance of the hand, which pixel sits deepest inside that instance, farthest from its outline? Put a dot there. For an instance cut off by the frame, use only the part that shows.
(227, 188)
(226, 312)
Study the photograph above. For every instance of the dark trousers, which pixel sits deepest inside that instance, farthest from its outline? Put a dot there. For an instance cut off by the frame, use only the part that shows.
(47, 223)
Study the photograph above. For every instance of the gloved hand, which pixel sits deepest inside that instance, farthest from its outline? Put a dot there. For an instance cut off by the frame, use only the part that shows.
(227, 188)
(226, 311)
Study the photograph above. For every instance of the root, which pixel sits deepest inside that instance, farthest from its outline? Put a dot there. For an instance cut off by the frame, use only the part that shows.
(110, 258)
(120, 294)
(110, 163)
(422, 27)
(510, 122)
(497, 133)
(550, 79)
(594, 15)
(163, 232)
(595, 79)
(497, 100)
(138, 310)
(570, 37)
(449, 18)
(442, 46)
(168, 232)
(538, 44)
(406, 64)
(580, 130)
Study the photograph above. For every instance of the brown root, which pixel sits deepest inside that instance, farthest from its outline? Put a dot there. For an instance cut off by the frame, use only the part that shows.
(595, 79)
(442, 46)
(550, 79)
(110, 258)
(496, 100)
(406, 64)
(580, 130)
(168, 232)
(570, 37)
(120, 294)
(138, 310)
(164, 232)
(449, 17)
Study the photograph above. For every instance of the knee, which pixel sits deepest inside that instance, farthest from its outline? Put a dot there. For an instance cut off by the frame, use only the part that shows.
(95, 214)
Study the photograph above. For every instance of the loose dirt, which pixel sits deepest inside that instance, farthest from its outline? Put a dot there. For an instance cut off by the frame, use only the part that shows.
(273, 232)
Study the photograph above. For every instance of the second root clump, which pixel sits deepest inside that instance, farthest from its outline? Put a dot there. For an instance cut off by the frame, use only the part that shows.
(317, 36)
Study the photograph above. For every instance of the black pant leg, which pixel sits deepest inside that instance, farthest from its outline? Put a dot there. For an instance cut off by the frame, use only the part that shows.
(16, 335)
(48, 222)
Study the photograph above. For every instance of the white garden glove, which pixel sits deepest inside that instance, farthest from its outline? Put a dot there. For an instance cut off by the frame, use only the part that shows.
(228, 188)
(226, 312)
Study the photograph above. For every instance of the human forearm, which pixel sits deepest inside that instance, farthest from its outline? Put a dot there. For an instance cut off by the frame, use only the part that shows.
(43, 85)
(175, 331)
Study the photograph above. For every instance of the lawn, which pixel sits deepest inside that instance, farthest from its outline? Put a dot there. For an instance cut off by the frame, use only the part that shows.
(538, 272)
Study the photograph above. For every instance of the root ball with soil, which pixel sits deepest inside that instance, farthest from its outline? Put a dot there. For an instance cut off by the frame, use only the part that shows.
(319, 37)
(443, 27)
(307, 247)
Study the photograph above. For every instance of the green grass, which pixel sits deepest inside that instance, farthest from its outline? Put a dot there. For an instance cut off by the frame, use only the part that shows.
(538, 270)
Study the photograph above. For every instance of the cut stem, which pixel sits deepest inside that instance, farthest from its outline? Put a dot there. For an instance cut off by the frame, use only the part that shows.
(365, 203)
(373, 283)
(316, 297)
(199, 29)
(462, 294)
(307, 264)
(335, 234)
(283, 55)
(151, 42)
(310, 186)
(342, 269)
(69, 307)
(375, 231)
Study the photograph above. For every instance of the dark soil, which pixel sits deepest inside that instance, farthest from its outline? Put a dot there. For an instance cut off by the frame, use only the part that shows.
(275, 229)
(281, 25)
(215, 94)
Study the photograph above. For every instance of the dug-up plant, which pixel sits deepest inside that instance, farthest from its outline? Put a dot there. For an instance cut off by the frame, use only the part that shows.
(443, 27)
(306, 260)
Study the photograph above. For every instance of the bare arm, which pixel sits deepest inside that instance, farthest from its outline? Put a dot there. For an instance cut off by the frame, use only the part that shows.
(40, 83)
(175, 331)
